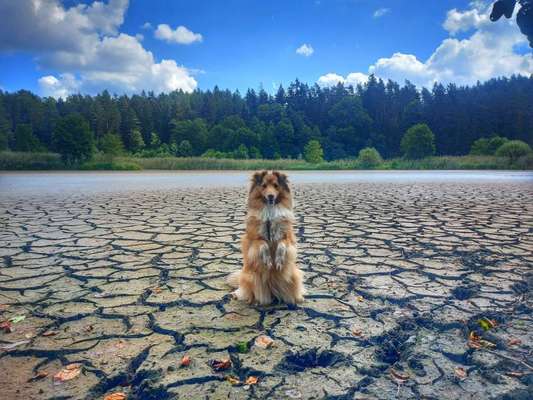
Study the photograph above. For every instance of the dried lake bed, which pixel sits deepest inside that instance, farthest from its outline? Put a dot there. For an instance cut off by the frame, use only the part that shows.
(419, 286)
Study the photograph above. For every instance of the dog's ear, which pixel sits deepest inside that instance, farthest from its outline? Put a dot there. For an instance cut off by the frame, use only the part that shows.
(257, 178)
(283, 180)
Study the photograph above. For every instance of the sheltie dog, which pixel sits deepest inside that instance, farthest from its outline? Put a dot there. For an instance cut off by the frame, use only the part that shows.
(269, 245)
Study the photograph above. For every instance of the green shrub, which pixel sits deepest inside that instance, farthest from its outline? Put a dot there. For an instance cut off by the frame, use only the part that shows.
(487, 146)
(369, 157)
(111, 145)
(418, 142)
(513, 150)
(313, 152)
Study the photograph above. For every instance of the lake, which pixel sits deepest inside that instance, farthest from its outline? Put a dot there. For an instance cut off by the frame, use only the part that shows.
(15, 183)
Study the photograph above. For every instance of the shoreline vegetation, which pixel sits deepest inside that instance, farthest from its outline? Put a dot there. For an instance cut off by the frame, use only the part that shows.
(24, 161)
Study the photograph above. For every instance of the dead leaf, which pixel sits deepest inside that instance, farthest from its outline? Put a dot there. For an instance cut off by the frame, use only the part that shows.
(487, 324)
(474, 337)
(185, 361)
(18, 318)
(50, 333)
(6, 327)
(116, 396)
(357, 332)
(220, 365)
(460, 372)
(4, 307)
(399, 375)
(514, 342)
(233, 380)
(71, 371)
(474, 345)
(158, 290)
(88, 328)
(515, 374)
(360, 299)
(10, 346)
(486, 343)
(251, 380)
(39, 375)
(264, 341)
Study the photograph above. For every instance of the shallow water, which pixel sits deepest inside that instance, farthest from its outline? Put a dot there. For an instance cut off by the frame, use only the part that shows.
(19, 183)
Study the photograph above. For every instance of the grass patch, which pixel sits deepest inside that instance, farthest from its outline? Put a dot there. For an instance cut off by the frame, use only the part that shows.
(115, 165)
(12, 161)
(20, 161)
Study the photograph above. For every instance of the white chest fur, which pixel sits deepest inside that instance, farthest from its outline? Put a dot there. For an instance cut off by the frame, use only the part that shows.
(274, 222)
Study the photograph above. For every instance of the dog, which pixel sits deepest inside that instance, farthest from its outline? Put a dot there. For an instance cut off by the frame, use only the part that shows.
(269, 245)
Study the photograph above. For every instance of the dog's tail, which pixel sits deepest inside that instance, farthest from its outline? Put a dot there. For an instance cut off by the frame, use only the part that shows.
(233, 279)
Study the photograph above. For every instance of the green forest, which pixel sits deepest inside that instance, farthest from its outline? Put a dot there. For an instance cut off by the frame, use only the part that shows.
(298, 121)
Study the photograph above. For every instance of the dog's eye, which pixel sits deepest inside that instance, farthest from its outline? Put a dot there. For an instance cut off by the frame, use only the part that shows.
(264, 185)
(275, 185)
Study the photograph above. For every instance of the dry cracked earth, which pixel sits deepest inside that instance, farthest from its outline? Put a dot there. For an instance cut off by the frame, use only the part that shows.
(415, 291)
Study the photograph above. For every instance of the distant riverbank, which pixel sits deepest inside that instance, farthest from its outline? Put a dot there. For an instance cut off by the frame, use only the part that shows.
(16, 161)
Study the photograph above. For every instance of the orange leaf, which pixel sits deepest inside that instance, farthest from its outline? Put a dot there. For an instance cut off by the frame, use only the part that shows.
(220, 365)
(264, 341)
(71, 371)
(251, 380)
(50, 333)
(357, 332)
(116, 396)
(360, 299)
(185, 361)
(474, 336)
(460, 373)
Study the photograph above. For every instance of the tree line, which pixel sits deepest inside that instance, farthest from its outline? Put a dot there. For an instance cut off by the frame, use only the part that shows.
(342, 119)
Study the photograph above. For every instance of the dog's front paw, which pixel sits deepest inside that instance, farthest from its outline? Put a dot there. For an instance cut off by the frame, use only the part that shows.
(281, 256)
(264, 254)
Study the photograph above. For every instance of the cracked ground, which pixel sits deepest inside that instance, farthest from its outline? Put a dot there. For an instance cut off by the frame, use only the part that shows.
(415, 290)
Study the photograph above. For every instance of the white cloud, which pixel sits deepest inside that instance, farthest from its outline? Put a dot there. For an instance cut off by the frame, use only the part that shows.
(487, 52)
(180, 35)
(330, 79)
(146, 26)
(84, 46)
(353, 79)
(62, 87)
(305, 50)
(380, 12)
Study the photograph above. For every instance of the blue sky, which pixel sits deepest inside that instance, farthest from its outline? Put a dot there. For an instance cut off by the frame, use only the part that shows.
(55, 47)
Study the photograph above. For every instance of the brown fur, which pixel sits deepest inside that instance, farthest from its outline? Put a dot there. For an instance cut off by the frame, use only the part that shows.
(269, 245)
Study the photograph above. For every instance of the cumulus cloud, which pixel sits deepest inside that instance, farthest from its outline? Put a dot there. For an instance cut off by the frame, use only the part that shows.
(353, 79)
(146, 26)
(487, 52)
(83, 44)
(380, 12)
(62, 87)
(180, 35)
(305, 50)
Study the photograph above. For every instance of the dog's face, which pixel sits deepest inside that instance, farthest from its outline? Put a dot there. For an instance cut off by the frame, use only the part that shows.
(270, 187)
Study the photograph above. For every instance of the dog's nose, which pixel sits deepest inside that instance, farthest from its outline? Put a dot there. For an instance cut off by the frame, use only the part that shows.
(271, 198)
